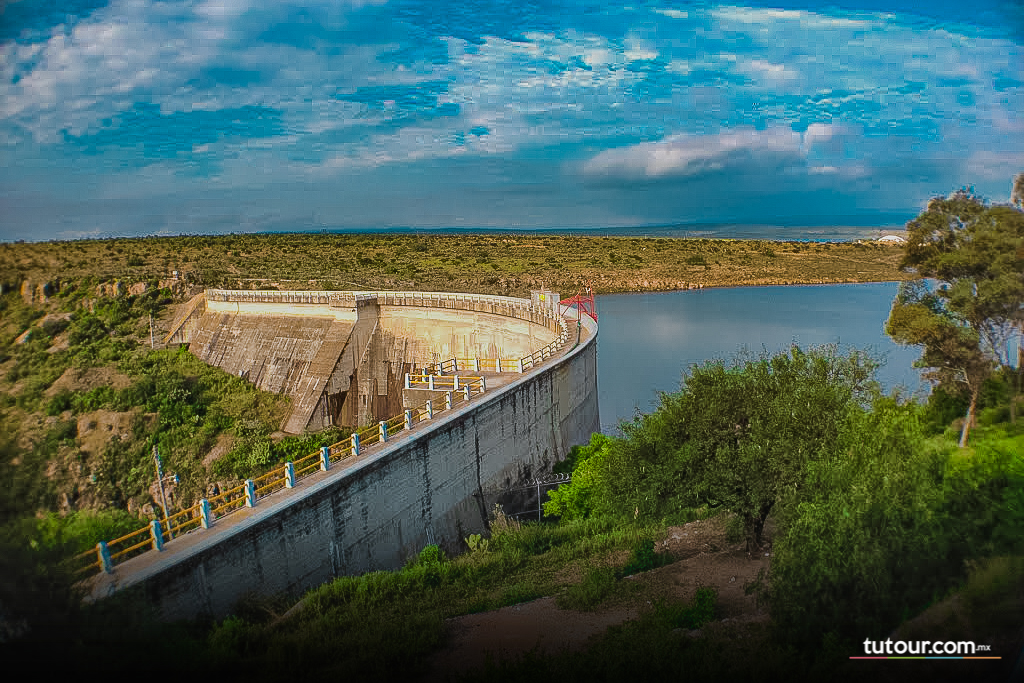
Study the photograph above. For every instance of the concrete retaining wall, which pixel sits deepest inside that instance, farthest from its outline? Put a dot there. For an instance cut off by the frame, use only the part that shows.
(428, 487)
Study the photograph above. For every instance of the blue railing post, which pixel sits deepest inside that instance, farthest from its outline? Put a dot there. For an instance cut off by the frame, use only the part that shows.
(325, 458)
(205, 517)
(430, 410)
(456, 387)
(157, 534)
(250, 493)
(355, 443)
(289, 475)
(104, 553)
(383, 426)
(447, 400)
(483, 384)
(465, 391)
(430, 382)
(408, 381)
(408, 420)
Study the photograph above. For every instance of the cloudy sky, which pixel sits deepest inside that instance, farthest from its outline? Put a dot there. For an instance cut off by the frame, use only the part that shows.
(134, 117)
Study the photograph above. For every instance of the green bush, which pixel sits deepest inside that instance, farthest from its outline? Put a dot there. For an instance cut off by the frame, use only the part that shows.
(598, 583)
(643, 559)
(864, 542)
(689, 616)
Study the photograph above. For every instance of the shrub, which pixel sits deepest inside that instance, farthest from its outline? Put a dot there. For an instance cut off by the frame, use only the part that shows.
(689, 616)
(864, 542)
(598, 583)
(643, 559)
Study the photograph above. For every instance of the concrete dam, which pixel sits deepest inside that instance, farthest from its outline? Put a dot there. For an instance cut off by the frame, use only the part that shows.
(346, 358)
(342, 356)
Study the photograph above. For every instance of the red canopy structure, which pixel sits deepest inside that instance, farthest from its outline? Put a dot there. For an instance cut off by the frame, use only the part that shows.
(583, 300)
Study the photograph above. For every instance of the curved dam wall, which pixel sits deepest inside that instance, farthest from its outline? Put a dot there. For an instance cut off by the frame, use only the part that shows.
(341, 356)
(426, 486)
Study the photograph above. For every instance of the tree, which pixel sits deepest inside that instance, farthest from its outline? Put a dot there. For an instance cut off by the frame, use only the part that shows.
(735, 436)
(952, 348)
(975, 252)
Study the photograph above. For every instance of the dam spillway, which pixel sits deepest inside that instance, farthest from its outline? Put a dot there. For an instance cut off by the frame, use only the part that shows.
(432, 484)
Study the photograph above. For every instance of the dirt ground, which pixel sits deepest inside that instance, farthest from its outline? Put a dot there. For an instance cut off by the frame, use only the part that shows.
(702, 557)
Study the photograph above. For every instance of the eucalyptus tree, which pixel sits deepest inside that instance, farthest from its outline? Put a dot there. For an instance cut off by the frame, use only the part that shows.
(974, 253)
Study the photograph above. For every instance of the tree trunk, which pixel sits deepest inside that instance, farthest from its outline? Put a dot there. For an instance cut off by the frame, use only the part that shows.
(969, 419)
(755, 530)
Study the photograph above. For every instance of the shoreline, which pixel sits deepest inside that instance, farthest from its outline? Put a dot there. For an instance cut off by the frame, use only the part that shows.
(501, 263)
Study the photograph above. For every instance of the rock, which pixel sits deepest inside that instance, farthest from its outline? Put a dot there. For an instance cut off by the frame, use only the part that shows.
(44, 291)
(110, 289)
(137, 288)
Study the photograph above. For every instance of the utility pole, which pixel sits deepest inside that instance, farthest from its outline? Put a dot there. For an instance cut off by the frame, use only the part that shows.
(163, 496)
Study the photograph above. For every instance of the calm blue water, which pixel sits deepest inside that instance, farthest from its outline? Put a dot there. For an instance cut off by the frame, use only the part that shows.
(646, 341)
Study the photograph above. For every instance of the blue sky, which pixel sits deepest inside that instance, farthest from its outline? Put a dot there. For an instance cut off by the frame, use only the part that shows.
(135, 117)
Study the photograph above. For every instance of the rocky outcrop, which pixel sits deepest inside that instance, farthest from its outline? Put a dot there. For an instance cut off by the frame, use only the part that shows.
(38, 292)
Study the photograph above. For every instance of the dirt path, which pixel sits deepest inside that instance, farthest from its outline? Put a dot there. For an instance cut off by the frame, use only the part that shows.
(704, 558)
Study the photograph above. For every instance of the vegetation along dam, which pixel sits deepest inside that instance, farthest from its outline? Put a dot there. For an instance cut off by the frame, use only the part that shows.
(452, 396)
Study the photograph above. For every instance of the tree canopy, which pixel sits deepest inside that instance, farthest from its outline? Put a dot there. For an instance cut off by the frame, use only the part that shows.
(975, 254)
(736, 436)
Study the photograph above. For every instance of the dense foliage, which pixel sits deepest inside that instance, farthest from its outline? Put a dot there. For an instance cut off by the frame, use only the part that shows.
(735, 436)
(875, 519)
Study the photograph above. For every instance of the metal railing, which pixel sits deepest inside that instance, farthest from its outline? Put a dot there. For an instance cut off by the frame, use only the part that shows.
(203, 514)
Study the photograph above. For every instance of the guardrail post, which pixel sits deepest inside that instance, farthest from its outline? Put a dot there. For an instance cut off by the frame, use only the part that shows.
(483, 384)
(355, 443)
(497, 364)
(408, 381)
(383, 426)
(289, 475)
(104, 554)
(205, 518)
(456, 387)
(447, 400)
(520, 365)
(325, 458)
(430, 410)
(476, 365)
(157, 534)
(430, 382)
(465, 391)
(408, 420)
(250, 493)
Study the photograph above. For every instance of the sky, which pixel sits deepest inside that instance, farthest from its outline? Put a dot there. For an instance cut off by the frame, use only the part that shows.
(142, 117)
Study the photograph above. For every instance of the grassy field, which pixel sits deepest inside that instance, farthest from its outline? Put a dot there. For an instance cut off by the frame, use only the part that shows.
(477, 263)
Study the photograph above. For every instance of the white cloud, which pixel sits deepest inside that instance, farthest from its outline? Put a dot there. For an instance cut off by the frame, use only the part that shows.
(690, 155)
(673, 13)
(765, 17)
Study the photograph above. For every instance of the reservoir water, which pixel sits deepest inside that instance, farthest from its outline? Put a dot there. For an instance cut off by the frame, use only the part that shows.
(647, 341)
